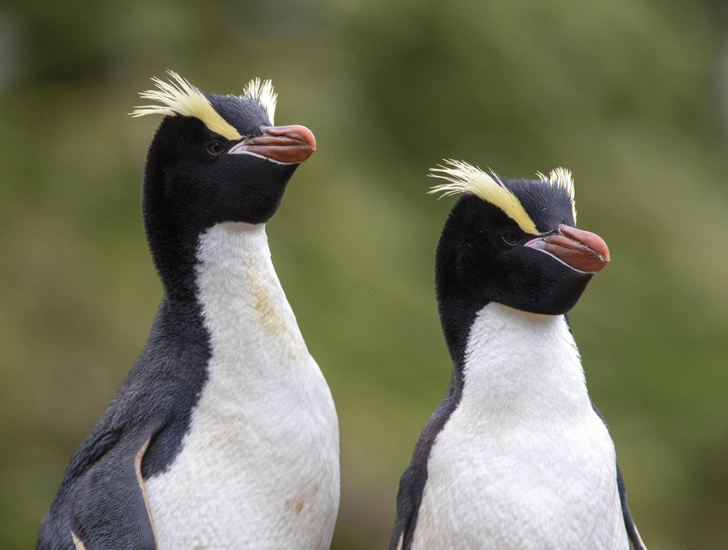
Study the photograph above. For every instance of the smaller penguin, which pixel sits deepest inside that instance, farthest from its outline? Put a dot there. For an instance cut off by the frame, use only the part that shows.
(516, 455)
(224, 434)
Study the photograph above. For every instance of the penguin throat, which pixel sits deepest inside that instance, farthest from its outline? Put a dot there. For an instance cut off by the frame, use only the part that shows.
(520, 364)
(242, 301)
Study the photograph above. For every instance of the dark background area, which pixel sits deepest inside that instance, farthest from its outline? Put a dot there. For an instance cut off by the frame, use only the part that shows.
(629, 94)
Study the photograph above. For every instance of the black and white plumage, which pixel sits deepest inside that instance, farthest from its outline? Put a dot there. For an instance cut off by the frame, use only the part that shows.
(515, 456)
(224, 434)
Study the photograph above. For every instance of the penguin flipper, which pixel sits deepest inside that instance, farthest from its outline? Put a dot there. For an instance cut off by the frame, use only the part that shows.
(110, 507)
(409, 498)
(635, 541)
(413, 481)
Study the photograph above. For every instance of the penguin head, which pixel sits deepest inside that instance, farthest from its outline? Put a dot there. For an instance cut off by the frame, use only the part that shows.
(213, 159)
(217, 158)
(514, 242)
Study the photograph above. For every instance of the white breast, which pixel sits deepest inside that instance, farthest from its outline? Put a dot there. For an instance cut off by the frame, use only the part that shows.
(523, 462)
(259, 467)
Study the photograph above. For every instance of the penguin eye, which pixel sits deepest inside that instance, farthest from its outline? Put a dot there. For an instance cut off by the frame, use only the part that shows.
(510, 238)
(215, 148)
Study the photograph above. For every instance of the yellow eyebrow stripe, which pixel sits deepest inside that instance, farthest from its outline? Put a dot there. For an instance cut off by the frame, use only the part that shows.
(179, 97)
(462, 177)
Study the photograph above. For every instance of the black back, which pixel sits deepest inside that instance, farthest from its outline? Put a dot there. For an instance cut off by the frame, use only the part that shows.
(154, 404)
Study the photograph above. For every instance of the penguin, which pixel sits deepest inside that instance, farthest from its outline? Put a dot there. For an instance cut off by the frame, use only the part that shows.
(224, 434)
(515, 456)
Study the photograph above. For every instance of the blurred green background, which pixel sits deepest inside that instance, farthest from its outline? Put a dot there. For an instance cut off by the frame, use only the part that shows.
(629, 94)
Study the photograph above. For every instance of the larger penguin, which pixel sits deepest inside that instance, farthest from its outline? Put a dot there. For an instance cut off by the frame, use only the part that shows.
(515, 456)
(224, 434)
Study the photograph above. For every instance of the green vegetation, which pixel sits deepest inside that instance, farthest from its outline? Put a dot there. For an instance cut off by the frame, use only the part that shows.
(623, 92)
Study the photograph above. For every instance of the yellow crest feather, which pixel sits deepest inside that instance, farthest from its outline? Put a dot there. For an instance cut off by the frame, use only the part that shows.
(561, 177)
(179, 97)
(462, 177)
(262, 92)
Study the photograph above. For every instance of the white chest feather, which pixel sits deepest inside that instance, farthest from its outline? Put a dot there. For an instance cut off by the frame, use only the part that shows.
(259, 467)
(523, 462)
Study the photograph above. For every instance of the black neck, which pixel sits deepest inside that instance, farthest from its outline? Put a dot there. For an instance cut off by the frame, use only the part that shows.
(174, 253)
(457, 305)
(172, 236)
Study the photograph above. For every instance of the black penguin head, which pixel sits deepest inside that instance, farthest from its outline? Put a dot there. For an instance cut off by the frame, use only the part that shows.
(513, 242)
(218, 158)
(213, 159)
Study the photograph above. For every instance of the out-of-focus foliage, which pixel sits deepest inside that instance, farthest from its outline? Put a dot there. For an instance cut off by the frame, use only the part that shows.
(626, 93)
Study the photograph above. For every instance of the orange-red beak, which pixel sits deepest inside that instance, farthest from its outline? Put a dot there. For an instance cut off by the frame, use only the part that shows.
(580, 250)
(281, 144)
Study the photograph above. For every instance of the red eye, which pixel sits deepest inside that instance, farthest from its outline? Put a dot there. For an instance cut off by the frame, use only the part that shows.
(511, 239)
(215, 148)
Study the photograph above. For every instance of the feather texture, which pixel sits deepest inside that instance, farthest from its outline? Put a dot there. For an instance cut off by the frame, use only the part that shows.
(179, 97)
